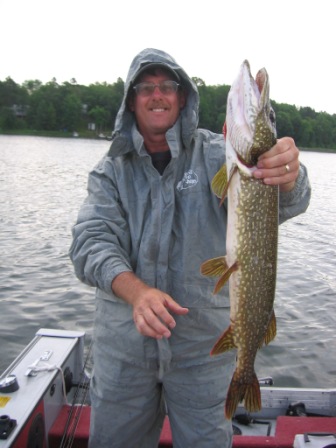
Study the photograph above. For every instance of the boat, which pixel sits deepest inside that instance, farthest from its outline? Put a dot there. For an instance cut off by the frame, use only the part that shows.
(44, 403)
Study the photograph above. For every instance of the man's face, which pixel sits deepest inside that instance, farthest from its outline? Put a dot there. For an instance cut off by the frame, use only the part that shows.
(158, 112)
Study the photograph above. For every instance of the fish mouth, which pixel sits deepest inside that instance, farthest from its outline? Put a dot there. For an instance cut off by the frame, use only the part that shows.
(261, 79)
(256, 123)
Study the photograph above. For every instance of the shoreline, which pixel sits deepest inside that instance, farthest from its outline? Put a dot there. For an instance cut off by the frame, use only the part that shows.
(84, 134)
(58, 134)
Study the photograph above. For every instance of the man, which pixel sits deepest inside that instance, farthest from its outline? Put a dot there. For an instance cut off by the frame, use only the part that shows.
(148, 223)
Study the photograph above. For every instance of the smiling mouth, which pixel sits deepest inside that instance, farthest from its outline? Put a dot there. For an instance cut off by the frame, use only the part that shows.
(158, 109)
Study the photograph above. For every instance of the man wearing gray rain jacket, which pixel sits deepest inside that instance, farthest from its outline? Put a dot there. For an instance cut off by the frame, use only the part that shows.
(148, 223)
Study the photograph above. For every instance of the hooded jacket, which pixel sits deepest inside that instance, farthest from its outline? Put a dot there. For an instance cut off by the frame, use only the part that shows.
(161, 227)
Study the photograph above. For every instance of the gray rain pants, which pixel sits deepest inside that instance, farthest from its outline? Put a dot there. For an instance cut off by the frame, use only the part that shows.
(137, 379)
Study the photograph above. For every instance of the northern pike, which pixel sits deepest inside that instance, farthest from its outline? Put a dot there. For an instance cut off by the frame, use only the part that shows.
(252, 234)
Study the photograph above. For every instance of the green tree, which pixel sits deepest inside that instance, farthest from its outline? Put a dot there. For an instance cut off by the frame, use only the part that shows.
(8, 120)
(323, 127)
(106, 96)
(308, 112)
(46, 116)
(70, 106)
(14, 101)
(284, 124)
(72, 112)
(32, 85)
(46, 100)
(307, 138)
(100, 116)
(12, 93)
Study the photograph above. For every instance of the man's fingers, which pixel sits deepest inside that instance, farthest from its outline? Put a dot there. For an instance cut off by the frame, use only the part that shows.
(152, 313)
(280, 165)
(146, 330)
(150, 325)
(176, 308)
(154, 321)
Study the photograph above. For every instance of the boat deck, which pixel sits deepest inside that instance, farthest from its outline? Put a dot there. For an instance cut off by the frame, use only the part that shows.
(50, 372)
(286, 429)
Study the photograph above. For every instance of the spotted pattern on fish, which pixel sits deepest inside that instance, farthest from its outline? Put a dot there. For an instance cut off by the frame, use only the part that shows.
(252, 235)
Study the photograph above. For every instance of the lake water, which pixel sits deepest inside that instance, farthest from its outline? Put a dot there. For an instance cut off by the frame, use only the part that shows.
(42, 185)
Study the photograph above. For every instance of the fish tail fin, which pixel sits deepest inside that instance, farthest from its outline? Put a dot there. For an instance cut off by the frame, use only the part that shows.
(224, 343)
(239, 391)
(252, 399)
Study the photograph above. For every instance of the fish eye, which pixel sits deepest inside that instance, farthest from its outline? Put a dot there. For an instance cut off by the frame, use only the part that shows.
(272, 116)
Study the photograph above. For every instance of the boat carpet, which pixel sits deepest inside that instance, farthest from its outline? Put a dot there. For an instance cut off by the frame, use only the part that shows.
(286, 429)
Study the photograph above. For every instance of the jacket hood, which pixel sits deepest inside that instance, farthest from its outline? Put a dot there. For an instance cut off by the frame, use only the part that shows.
(189, 114)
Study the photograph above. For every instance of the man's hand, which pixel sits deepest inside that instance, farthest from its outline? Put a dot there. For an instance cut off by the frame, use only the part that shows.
(280, 165)
(152, 308)
(152, 313)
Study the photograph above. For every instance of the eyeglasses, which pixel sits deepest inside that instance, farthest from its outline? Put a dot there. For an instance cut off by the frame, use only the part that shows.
(147, 88)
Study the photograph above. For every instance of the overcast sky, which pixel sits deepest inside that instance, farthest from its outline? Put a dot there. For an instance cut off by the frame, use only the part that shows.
(95, 41)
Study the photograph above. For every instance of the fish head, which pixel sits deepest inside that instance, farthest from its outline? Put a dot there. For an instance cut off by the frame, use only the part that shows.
(250, 119)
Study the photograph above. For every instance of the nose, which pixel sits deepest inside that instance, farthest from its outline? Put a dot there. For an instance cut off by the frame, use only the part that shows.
(157, 91)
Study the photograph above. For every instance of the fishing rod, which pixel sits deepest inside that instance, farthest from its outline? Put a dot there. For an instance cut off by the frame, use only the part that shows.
(76, 406)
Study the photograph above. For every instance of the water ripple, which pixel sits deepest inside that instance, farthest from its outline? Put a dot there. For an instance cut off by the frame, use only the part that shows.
(42, 185)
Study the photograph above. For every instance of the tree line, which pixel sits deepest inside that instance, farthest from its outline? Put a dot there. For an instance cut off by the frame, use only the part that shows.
(72, 107)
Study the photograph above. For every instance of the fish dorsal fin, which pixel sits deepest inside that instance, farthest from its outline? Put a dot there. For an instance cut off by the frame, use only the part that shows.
(271, 329)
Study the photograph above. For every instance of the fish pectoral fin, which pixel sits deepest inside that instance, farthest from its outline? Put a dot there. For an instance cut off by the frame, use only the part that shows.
(214, 267)
(238, 391)
(225, 277)
(271, 329)
(219, 183)
(224, 343)
(224, 194)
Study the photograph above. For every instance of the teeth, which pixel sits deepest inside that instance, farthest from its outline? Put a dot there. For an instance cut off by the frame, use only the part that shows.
(158, 110)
